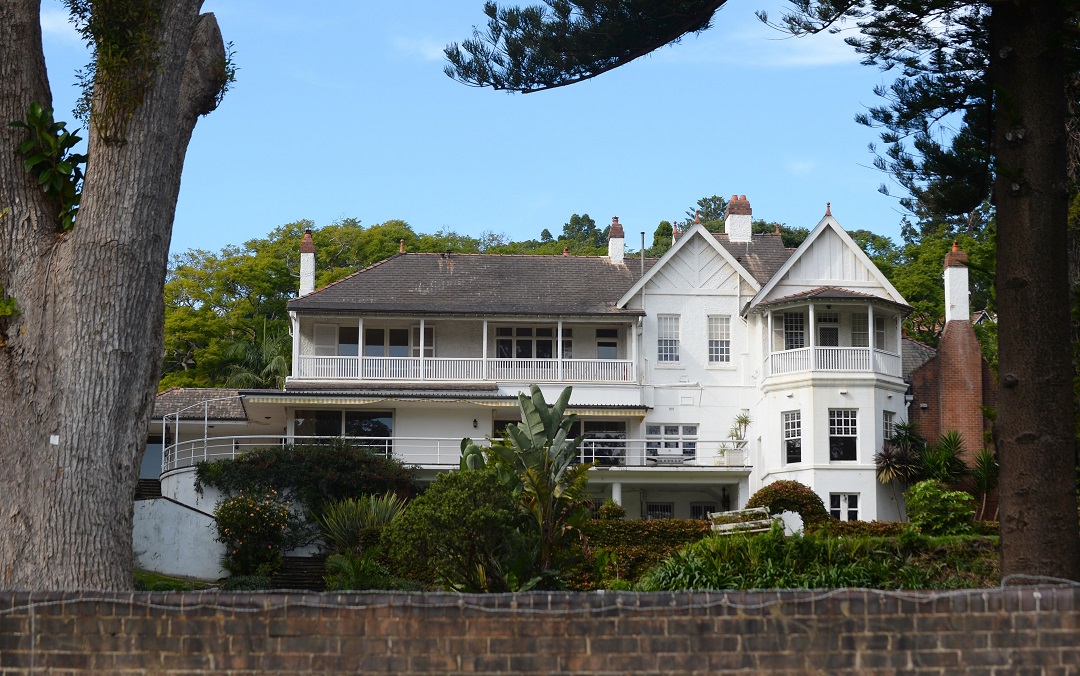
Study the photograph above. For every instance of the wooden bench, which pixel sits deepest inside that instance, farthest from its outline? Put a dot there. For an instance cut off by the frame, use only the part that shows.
(753, 520)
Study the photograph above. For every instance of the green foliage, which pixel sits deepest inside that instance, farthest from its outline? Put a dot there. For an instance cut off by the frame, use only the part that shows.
(791, 496)
(466, 533)
(709, 211)
(261, 363)
(943, 462)
(358, 572)
(350, 523)
(810, 561)
(618, 552)
(148, 581)
(49, 159)
(308, 475)
(662, 239)
(8, 306)
(984, 477)
(791, 237)
(124, 37)
(538, 461)
(247, 583)
(612, 511)
(935, 510)
(540, 47)
(836, 528)
(583, 229)
(252, 527)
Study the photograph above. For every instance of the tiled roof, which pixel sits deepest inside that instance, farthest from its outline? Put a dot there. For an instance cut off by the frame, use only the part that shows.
(762, 256)
(913, 355)
(223, 404)
(831, 293)
(481, 283)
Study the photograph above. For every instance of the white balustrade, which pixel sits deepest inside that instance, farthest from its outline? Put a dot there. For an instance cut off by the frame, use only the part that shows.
(852, 359)
(464, 368)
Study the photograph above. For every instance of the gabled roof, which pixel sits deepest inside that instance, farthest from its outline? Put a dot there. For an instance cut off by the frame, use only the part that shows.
(762, 256)
(828, 223)
(914, 354)
(696, 230)
(224, 404)
(431, 283)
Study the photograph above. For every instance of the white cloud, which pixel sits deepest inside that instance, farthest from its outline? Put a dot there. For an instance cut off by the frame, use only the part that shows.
(800, 167)
(424, 48)
(56, 24)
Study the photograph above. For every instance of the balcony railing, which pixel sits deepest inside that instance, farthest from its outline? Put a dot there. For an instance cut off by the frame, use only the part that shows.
(432, 451)
(465, 369)
(853, 359)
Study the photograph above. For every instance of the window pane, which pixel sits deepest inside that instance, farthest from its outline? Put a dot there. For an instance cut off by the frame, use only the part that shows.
(308, 423)
(373, 343)
(607, 333)
(605, 350)
(793, 331)
(689, 430)
(652, 430)
(504, 331)
(659, 510)
(667, 346)
(828, 336)
(719, 340)
(544, 349)
(671, 430)
(545, 333)
(523, 332)
(504, 348)
(860, 333)
(524, 349)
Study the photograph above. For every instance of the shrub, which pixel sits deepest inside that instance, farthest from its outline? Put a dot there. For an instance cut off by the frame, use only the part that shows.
(792, 496)
(810, 561)
(246, 583)
(465, 533)
(616, 553)
(835, 528)
(351, 572)
(935, 510)
(252, 528)
(612, 511)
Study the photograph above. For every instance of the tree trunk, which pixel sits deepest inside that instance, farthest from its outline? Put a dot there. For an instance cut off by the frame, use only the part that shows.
(1034, 431)
(79, 365)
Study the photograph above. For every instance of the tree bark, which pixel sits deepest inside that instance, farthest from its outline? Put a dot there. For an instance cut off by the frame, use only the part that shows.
(80, 363)
(1034, 430)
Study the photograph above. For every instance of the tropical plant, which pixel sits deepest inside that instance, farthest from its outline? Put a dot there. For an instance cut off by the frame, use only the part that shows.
(900, 459)
(943, 462)
(353, 523)
(984, 476)
(263, 362)
(612, 511)
(537, 459)
(356, 572)
(935, 510)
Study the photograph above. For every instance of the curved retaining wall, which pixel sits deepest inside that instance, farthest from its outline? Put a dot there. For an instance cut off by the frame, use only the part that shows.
(996, 631)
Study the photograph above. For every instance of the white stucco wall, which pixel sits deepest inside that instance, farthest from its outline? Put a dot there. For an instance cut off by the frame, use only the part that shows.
(171, 539)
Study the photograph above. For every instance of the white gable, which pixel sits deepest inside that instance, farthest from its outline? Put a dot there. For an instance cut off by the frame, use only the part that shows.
(828, 257)
(697, 262)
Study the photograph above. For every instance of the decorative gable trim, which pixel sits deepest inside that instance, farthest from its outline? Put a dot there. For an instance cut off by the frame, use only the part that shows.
(827, 223)
(697, 230)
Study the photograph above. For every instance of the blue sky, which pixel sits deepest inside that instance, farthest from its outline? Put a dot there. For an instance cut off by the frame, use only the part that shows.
(341, 109)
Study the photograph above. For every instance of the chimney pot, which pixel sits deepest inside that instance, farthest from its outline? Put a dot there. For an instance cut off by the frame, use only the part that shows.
(401, 246)
(828, 208)
(566, 251)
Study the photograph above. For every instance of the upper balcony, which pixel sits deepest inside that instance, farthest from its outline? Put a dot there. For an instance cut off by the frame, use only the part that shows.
(463, 350)
(835, 335)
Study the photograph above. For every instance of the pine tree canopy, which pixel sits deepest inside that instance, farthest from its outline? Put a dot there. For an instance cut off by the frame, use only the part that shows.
(528, 49)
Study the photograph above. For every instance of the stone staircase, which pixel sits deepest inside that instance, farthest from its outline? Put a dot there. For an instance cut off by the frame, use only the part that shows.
(148, 489)
(301, 572)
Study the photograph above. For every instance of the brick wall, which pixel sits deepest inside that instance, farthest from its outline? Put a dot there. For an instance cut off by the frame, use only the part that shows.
(1018, 630)
(960, 384)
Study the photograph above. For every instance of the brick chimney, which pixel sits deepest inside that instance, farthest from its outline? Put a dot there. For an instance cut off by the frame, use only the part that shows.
(737, 219)
(616, 243)
(960, 384)
(307, 264)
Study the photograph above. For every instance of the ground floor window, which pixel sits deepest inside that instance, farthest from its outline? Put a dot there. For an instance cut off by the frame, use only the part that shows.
(671, 440)
(793, 436)
(374, 428)
(843, 430)
(659, 510)
(844, 506)
(700, 511)
(888, 424)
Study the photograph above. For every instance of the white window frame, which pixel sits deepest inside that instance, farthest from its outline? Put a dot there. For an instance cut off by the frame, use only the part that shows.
(828, 323)
(671, 439)
(888, 425)
(880, 333)
(429, 340)
(324, 339)
(840, 506)
(792, 431)
(606, 341)
(667, 339)
(719, 339)
(386, 345)
(843, 424)
(794, 330)
(533, 340)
